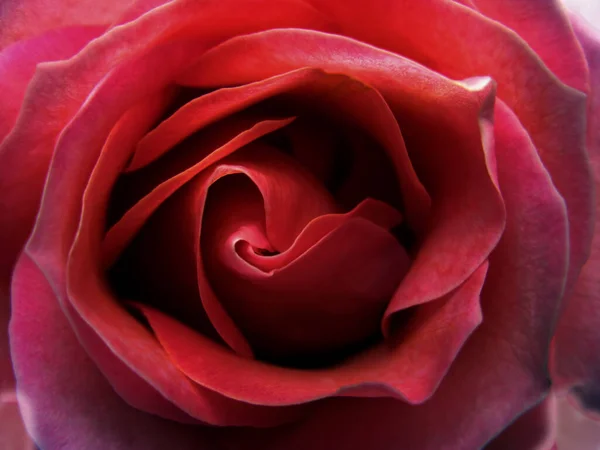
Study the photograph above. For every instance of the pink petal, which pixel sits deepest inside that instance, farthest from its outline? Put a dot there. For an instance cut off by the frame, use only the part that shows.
(17, 65)
(72, 406)
(122, 232)
(375, 211)
(576, 361)
(24, 19)
(459, 42)
(461, 195)
(533, 430)
(150, 389)
(546, 28)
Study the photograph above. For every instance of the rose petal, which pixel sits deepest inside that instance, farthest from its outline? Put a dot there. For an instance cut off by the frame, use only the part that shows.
(338, 95)
(577, 341)
(375, 211)
(461, 195)
(506, 370)
(459, 42)
(17, 66)
(72, 406)
(544, 25)
(122, 232)
(19, 60)
(24, 19)
(409, 369)
(296, 308)
(533, 430)
(136, 387)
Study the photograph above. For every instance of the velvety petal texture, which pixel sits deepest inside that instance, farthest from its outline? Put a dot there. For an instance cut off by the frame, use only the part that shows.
(75, 407)
(244, 224)
(575, 361)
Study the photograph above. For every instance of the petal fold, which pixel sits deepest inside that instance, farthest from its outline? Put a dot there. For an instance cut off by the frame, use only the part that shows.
(576, 361)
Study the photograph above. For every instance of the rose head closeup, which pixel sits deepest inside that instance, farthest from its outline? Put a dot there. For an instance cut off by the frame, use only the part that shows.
(297, 224)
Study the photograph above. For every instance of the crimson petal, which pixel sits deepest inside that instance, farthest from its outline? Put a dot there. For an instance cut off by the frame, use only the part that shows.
(297, 307)
(459, 42)
(462, 196)
(526, 280)
(410, 370)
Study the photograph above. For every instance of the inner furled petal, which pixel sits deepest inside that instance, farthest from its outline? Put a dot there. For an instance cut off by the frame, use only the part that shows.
(446, 124)
(132, 186)
(470, 44)
(121, 233)
(321, 298)
(377, 212)
(337, 96)
(293, 197)
(347, 161)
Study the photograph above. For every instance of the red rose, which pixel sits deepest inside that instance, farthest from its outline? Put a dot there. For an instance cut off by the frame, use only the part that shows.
(298, 224)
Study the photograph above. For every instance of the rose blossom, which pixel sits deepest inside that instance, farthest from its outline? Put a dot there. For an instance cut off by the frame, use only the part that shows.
(298, 223)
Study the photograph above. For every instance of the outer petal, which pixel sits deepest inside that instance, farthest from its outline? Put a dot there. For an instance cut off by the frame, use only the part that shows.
(547, 29)
(72, 81)
(533, 430)
(576, 359)
(20, 199)
(70, 405)
(23, 19)
(18, 62)
(460, 42)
